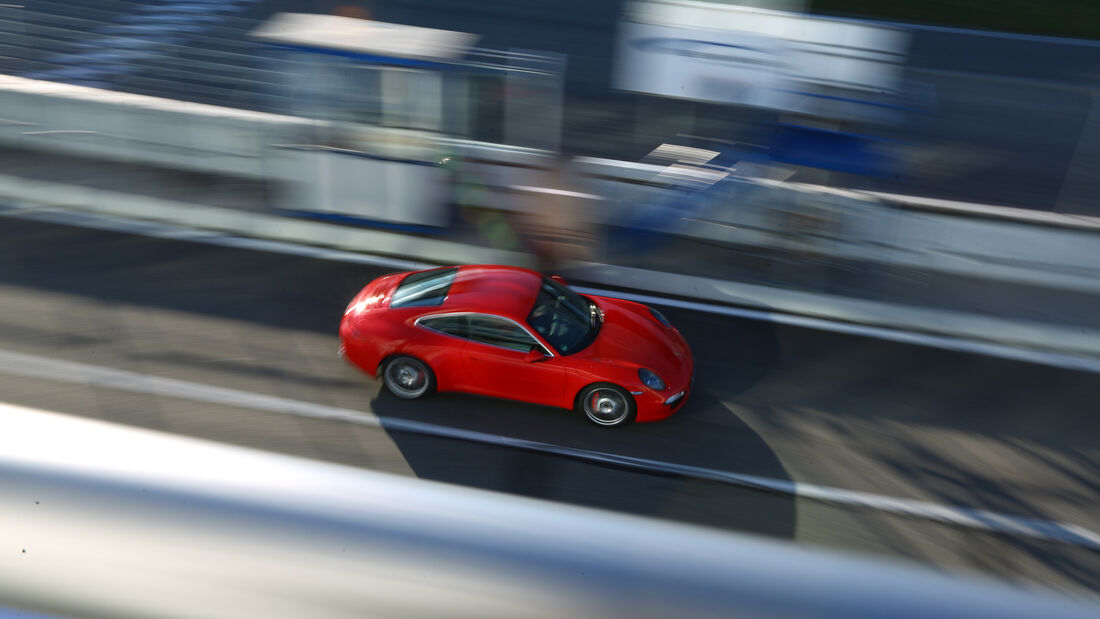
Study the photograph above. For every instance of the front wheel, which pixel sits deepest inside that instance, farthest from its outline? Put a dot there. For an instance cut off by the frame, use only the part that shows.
(408, 378)
(606, 405)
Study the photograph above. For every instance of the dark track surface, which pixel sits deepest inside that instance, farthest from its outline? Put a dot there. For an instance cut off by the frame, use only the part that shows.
(774, 401)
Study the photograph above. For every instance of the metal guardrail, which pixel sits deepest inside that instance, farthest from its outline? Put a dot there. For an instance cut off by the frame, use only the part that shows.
(107, 521)
(939, 236)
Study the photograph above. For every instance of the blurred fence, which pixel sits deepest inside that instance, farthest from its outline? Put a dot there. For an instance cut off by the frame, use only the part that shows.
(1006, 121)
(191, 51)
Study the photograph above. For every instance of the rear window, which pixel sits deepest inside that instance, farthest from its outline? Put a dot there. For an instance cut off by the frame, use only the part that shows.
(424, 288)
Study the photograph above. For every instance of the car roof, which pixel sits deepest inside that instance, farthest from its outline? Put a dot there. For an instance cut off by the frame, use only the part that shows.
(507, 291)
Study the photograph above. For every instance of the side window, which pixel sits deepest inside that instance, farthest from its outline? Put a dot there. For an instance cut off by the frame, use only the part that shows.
(499, 332)
(451, 325)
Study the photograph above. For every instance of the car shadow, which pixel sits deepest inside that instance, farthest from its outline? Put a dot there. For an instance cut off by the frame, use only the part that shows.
(676, 469)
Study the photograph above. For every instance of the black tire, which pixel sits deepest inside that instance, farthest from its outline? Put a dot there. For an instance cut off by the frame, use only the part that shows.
(407, 377)
(606, 405)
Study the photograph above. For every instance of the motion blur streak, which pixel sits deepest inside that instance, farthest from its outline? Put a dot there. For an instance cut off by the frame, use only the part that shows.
(120, 522)
(168, 231)
(41, 367)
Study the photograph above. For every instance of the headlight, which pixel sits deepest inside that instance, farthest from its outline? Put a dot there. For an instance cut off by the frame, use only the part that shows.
(660, 318)
(650, 379)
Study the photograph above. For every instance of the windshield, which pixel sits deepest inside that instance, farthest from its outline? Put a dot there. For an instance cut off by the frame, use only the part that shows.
(425, 288)
(568, 321)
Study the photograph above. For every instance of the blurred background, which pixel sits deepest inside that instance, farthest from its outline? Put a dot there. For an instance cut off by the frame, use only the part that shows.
(876, 224)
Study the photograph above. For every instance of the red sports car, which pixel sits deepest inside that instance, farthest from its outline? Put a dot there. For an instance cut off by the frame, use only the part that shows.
(514, 333)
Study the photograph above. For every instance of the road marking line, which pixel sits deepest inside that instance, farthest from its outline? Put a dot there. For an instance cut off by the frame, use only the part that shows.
(35, 366)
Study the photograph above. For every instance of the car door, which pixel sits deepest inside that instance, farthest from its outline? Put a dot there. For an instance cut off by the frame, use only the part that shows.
(443, 349)
(498, 362)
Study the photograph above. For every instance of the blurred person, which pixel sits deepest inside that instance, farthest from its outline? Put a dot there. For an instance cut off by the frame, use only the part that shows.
(555, 220)
(471, 205)
(357, 11)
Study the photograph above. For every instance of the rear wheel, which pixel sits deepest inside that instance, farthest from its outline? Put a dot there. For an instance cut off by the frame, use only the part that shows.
(606, 405)
(408, 377)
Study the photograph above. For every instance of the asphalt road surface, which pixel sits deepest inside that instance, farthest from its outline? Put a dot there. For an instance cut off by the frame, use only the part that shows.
(786, 404)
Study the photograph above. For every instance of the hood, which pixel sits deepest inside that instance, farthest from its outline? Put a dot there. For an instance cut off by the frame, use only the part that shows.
(631, 334)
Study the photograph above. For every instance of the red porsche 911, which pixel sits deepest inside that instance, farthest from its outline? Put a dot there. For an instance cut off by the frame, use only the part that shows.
(513, 333)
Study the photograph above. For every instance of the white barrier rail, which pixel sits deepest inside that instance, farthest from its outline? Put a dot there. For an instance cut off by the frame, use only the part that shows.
(102, 520)
(117, 126)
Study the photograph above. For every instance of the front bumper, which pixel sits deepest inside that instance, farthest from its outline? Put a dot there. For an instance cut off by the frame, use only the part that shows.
(654, 406)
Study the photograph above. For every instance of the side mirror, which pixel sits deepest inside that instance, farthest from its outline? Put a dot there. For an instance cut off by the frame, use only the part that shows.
(535, 355)
(559, 279)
